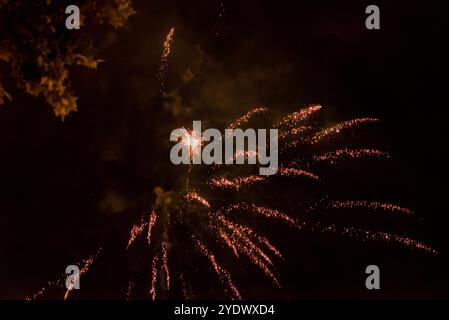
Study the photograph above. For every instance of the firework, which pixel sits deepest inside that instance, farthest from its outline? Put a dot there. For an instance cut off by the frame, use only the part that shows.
(193, 196)
(222, 273)
(164, 58)
(336, 155)
(235, 184)
(152, 222)
(135, 232)
(246, 117)
(87, 264)
(191, 139)
(292, 172)
(259, 210)
(241, 240)
(131, 285)
(370, 205)
(339, 127)
(153, 278)
(210, 217)
(295, 118)
(61, 280)
(232, 223)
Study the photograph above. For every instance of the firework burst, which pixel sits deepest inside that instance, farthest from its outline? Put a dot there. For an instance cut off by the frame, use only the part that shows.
(212, 219)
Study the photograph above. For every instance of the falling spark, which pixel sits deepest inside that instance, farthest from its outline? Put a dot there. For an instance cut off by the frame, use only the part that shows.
(388, 237)
(50, 284)
(244, 154)
(270, 246)
(151, 223)
(350, 153)
(292, 172)
(228, 241)
(222, 273)
(299, 116)
(87, 264)
(366, 235)
(338, 127)
(246, 117)
(136, 231)
(165, 264)
(294, 129)
(184, 287)
(370, 205)
(294, 132)
(236, 183)
(164, 59)
(195, 197)
(153, 278)
(61, 280)
(266, 212)
(240, 239)
(130, 289)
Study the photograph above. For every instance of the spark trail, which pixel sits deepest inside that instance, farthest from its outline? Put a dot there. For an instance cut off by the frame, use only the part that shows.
(167, 48)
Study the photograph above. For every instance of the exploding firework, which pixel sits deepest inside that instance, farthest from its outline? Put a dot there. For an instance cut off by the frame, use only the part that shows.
(224, 222)
(213, 218)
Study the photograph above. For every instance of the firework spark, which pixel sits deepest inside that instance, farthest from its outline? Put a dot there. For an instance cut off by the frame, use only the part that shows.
(136, 231)
(184, 287)
(164, 267)
(87, 263)
(239, 182)
(151, 223)
(292, 172)
(350, 153)
(131, 285)
(295, 118)
(294, 132)
(235, 184)
(153, 278)
(262, 211)
(339, 127)
(370, 205)
(60, 282)
(193, 196)
(240, 240)
(222, 273)
(387, 237)
(233, 225)
(246, 117)
(164, 58)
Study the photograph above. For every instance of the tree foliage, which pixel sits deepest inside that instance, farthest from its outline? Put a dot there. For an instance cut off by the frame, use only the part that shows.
(39, 50)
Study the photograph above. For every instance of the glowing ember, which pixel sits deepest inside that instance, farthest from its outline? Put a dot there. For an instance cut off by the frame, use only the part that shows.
(350, 153)
(164, 59)
(299, 116)
(370, 205)
(195, 197)
(222, 273)
(245, 118)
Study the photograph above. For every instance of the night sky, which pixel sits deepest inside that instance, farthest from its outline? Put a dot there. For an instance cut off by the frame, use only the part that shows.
(68, 187)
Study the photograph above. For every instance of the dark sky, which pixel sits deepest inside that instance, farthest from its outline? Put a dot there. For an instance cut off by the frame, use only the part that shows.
(68, 187)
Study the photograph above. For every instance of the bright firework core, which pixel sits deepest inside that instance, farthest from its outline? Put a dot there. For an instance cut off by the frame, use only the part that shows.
(189, 147)
(193, 140)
